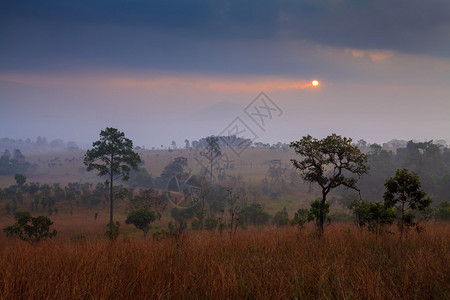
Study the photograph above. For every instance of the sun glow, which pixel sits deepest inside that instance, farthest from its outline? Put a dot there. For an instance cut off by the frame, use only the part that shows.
(315, 83)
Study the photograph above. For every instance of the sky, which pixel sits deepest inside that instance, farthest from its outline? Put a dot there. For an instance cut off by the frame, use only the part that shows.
(175, 70)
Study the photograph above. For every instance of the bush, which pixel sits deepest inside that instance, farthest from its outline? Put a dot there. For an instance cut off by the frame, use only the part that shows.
(211, 223)
(300, 218)
(196, 224)
(281, 218)
(29, 228)
(443, 211)
(253, 214)
(141, 219)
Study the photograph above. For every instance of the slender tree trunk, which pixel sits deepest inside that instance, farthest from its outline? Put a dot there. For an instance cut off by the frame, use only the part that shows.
(211, 164)
(401, 227)
(111, 197)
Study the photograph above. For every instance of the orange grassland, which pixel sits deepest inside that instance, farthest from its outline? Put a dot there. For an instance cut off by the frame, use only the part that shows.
(258, 263)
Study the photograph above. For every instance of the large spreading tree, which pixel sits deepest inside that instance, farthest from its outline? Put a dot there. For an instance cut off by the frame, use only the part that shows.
(330, 162)
(112, 156)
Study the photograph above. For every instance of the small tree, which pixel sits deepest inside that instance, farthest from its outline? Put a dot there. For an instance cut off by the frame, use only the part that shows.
(281, 218)
(330, 162)
(403, 191)
(20, 180)
(31, 229)
(113, 156)
(211, 223)
(378, 215)
(141, 219)
(181, 216)
(300, 218)
(360, 210)
(443, 211)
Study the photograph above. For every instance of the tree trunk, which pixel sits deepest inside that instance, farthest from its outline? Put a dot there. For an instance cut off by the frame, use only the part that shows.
(111, 197)
(401, 227)
(321, 212)
(211, 164)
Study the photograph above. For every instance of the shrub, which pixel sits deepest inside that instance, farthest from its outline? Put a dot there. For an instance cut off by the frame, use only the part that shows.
(31, 229)
(211, 223)
(281, 218)
(443, 211)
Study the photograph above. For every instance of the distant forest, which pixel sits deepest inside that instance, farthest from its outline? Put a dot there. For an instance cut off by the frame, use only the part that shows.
(40, 145)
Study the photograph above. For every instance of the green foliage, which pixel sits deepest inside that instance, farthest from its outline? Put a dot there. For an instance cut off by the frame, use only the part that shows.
(373, 214)
(300, 218)
(281, 218)
(379, 215)
(141, 178)
(315, 212)
(141, 219)
(211, 223)
(430, 161)
(196, 224)
(404, 192)
(175, 167)
(20, 180)
(149, 199)
(31, 229)
(330, 162)
(113, 232)
(360, 210)
(181, 216)
(171, 226)
(443, 211)
(113, 156)
(253, 214)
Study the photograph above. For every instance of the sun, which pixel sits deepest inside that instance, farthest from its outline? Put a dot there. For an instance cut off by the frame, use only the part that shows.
(315, 83)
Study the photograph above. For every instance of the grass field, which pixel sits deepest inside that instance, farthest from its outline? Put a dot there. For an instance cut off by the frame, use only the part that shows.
(267, 263)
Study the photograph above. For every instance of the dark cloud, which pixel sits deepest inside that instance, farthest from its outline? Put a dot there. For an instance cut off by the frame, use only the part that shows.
(227, 36)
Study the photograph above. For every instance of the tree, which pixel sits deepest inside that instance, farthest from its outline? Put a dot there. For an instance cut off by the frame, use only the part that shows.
(181, 216)
(253, 214)
(443, 211)
(403, 191)
(141, 219)
(211, 223)
(148, 199)
(20, 180)
(113, 156)
(174, 168)
(360, 210)
(330, 162)
(378, 215)
(373, 214)
(212, 151)
(300, 218)
(29, 228)
(281, 218)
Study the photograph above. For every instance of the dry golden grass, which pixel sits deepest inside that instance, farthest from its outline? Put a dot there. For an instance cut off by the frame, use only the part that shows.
(268, 263)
